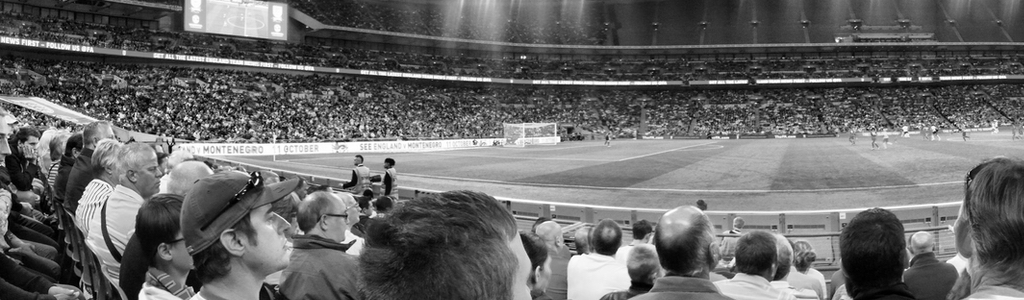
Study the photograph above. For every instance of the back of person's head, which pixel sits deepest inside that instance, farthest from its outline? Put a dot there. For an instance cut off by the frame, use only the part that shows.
(384, 204)
(368, 193)
(178, 157)
(803, 255)
(538, 222)
(185, 175)
(643, 264)
(921, 242)
(785, 257)
(756, 254)
(606, 237)
(582, 240)
(684, 237)
(738, 223)
(873, 249)
(159, 223)
(540, 266)
(641, 229)
(271, 177)
(452, 245)
(58, 140)
(74, 143)
(702, 205)
(96, 131)
(992, 215)
(389, 161)
(106, 156)
(550, 232)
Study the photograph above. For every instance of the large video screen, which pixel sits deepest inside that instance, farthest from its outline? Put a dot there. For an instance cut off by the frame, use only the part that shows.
(247, 18)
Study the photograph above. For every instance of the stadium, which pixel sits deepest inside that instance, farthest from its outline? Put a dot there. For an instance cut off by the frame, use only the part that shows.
(790, 117)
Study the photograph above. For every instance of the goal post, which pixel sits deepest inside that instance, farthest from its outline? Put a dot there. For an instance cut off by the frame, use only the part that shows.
(522, 134)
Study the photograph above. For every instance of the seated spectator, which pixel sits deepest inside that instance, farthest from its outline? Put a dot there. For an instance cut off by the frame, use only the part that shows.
(684, 238)
(351, 207)
(21, 163)
(756, 263)
(233, 237)
(71, 150)
(873, 251)
(927, 277)
(838, 280)
(452, 245)
(551, 233)
(644, 268)
(803, 276)
(592, 276)
(99, 189)
(319, 267)
(173, 160)
(990, 228)
(158, 229)
(383, 205)
(365, 212)
(540, 265)
(785, 262)
(84, 171)
(111, 227)
(728, 247)
(641, 232)
(18, 283)
(184, 175)
(582, 241)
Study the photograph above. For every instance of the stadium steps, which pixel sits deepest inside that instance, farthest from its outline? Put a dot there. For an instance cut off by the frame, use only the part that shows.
(881, 114)
(996, 108)
(939, 113)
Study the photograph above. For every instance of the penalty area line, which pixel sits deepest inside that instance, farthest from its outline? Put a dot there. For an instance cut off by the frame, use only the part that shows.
(666, 151)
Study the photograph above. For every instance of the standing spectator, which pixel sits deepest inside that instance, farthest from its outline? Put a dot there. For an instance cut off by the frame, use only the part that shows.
(83, 172)
(990, 229)
(452, 245)
(644, 269)
(684, 238)
(319, 267)
(158, 229)
(390, 181)
(873, 252)
(927, 277)
(540, 265)
(802, 276)
(71, 150)
(592, 276)
(756, 263)
(233, 237)
(551, 233)
(641, 231)
(110, 229)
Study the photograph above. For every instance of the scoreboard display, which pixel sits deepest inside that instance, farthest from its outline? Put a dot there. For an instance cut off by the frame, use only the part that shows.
(245, 18)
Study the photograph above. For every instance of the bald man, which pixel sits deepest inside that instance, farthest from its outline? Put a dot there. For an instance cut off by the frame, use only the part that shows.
(551, 233)
(927, 277)
(184, 175)
(684, 239)
(582, 241)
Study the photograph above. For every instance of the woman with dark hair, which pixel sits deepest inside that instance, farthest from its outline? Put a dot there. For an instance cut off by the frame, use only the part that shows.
(540, 265)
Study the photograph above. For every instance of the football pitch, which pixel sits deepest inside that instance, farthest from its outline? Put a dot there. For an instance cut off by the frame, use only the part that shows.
(737, 175)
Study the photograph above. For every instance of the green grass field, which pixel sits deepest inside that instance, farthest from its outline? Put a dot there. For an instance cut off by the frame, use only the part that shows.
(739, 175)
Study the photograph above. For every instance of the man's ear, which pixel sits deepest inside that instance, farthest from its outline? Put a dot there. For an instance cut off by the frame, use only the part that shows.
(163, 251)
(234, 242)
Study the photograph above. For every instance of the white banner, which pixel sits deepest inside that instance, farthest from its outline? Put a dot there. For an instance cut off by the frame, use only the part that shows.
(327, 148)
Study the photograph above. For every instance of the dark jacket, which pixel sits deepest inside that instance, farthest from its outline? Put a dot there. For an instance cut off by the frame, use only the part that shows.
(635, 288)
(897, 291)
(928, 278)
(677, 287)
(81, 174)
(22, 170)
(17, 283)
(61, 182)
(320, 269)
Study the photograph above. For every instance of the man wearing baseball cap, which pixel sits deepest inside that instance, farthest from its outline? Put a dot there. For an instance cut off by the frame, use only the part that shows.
(234, 238)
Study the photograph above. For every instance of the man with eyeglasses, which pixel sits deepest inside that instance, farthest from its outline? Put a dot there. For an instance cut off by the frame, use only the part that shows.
(234, 238)
(319, 267)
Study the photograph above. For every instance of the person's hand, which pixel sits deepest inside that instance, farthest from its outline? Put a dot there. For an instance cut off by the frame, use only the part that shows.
(62, 293)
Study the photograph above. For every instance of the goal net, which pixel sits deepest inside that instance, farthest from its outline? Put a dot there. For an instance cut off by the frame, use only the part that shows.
(522, 134)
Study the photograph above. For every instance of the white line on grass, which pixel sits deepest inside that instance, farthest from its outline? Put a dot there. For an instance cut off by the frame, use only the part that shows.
(666, 151)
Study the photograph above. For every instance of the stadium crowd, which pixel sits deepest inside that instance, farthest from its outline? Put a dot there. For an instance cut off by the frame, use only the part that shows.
(319, 52)
(162, 225)
(261, 107)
